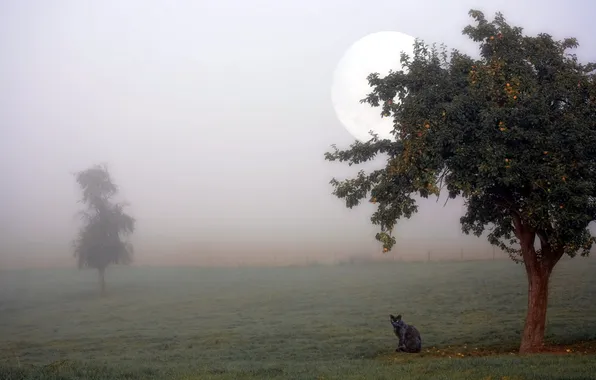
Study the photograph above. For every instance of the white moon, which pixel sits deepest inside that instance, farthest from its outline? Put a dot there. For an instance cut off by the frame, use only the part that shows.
(377, 52)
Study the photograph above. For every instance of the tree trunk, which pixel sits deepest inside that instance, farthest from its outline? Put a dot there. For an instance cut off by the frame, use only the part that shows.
(102, 281)
(533, 335)
(538, 269)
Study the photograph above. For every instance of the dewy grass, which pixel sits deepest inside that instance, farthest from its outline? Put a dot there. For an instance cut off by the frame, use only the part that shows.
(320, 322)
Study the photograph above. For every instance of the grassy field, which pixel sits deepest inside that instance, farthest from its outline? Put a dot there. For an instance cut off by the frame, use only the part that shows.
(319, 322)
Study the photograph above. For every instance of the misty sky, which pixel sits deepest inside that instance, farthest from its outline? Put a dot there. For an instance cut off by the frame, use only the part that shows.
(213, 116)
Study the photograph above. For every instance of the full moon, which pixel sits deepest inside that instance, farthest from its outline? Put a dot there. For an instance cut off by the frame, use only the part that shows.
(377, 52)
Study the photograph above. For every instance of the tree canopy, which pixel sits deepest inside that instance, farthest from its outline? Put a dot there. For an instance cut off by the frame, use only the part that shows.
(100, 241)
(512, 132)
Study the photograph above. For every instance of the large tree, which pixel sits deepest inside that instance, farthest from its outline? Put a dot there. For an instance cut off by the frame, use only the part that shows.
(101, 240)
(512, 132)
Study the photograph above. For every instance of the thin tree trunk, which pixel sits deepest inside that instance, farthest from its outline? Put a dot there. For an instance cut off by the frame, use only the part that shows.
(533, 335)
(102, 281)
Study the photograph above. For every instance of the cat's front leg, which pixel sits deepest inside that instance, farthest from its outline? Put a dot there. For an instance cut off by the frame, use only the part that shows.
(401, 345)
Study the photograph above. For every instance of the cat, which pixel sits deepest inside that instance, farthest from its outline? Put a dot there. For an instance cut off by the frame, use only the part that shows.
(409, 337)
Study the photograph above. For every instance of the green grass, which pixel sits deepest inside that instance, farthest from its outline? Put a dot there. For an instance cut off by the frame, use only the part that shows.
(291, 323)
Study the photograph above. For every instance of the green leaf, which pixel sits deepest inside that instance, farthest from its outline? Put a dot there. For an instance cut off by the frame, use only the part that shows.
(512, 132)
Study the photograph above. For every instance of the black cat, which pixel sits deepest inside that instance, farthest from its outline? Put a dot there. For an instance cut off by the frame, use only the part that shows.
(409, 337)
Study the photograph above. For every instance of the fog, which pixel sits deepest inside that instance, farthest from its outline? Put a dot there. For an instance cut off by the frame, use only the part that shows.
(213, 118)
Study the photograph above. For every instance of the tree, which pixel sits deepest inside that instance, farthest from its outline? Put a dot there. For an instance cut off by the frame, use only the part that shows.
(100, 241)
(512, 132)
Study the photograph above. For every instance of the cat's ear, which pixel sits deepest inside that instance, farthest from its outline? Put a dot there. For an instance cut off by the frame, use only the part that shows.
(392, 317)
(398, 318)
